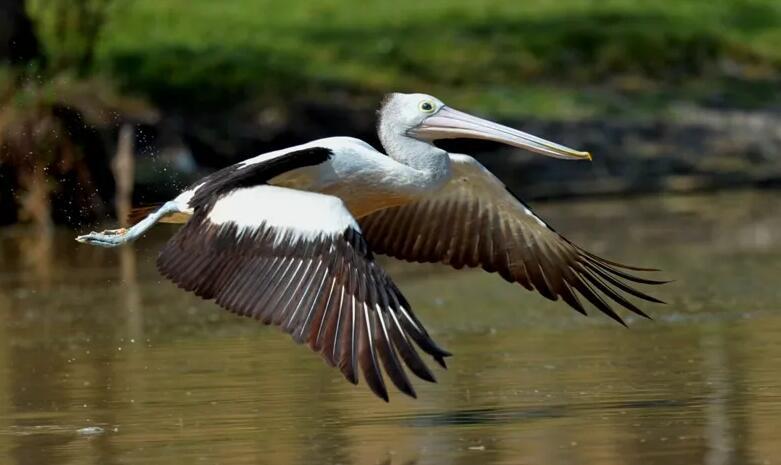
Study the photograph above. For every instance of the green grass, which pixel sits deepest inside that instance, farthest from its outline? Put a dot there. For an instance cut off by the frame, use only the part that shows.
(570, 58)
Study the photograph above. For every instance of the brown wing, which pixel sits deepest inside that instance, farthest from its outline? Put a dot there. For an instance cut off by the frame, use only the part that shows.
(321, 286)
(476, 221)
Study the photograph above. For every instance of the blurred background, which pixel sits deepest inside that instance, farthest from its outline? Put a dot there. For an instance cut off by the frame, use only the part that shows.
(110, 103)
(668, 95)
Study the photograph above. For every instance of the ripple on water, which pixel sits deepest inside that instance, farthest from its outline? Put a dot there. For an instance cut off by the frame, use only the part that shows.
(103, 362)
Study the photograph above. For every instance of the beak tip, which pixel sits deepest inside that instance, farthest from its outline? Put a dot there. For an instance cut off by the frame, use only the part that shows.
(587, 156)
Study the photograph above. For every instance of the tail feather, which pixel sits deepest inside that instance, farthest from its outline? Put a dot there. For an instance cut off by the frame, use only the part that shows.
(139, 213)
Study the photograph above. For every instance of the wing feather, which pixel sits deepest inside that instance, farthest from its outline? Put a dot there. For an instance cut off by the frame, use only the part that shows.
(322, 286)
(476, 221)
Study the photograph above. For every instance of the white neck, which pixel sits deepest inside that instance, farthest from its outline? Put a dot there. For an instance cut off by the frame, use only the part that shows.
(432, 163)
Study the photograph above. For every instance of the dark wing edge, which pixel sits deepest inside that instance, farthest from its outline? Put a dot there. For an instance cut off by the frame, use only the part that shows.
(326, 291)
(477, 222)
(248, 173)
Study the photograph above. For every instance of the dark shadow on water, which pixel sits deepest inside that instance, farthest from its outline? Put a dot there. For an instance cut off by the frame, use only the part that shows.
(488, 416)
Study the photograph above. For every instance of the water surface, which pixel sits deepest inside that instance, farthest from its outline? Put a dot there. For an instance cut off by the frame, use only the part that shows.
(103, 362)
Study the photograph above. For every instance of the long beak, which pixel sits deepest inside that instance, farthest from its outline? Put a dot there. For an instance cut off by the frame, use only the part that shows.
(448, 123)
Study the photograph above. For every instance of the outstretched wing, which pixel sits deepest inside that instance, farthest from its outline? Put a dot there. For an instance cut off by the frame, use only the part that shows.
(476, 221)
(298, 260)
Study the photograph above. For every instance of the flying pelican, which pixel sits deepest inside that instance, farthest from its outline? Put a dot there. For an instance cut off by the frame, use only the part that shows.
(288, 237)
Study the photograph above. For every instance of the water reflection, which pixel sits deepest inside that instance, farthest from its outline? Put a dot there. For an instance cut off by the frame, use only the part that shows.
(90, 337)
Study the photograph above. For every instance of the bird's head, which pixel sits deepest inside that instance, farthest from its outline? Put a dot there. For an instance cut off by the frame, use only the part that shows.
(426, 118)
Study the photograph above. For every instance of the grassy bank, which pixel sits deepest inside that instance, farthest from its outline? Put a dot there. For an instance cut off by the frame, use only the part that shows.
(238, 77)
(557, 58)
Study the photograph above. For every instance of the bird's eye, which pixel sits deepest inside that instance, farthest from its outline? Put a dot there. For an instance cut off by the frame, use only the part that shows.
(426, 106)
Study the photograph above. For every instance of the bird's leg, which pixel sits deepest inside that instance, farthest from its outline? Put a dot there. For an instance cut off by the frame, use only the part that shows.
(116, 237)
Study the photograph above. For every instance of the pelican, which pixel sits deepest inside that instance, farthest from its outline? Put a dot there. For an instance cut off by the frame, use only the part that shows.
(288, 237)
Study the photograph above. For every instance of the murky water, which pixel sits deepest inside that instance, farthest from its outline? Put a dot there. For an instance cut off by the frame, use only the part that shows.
(102, 362)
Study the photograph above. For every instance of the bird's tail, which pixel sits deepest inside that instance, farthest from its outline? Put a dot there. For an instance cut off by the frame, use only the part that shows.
(139, 213)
